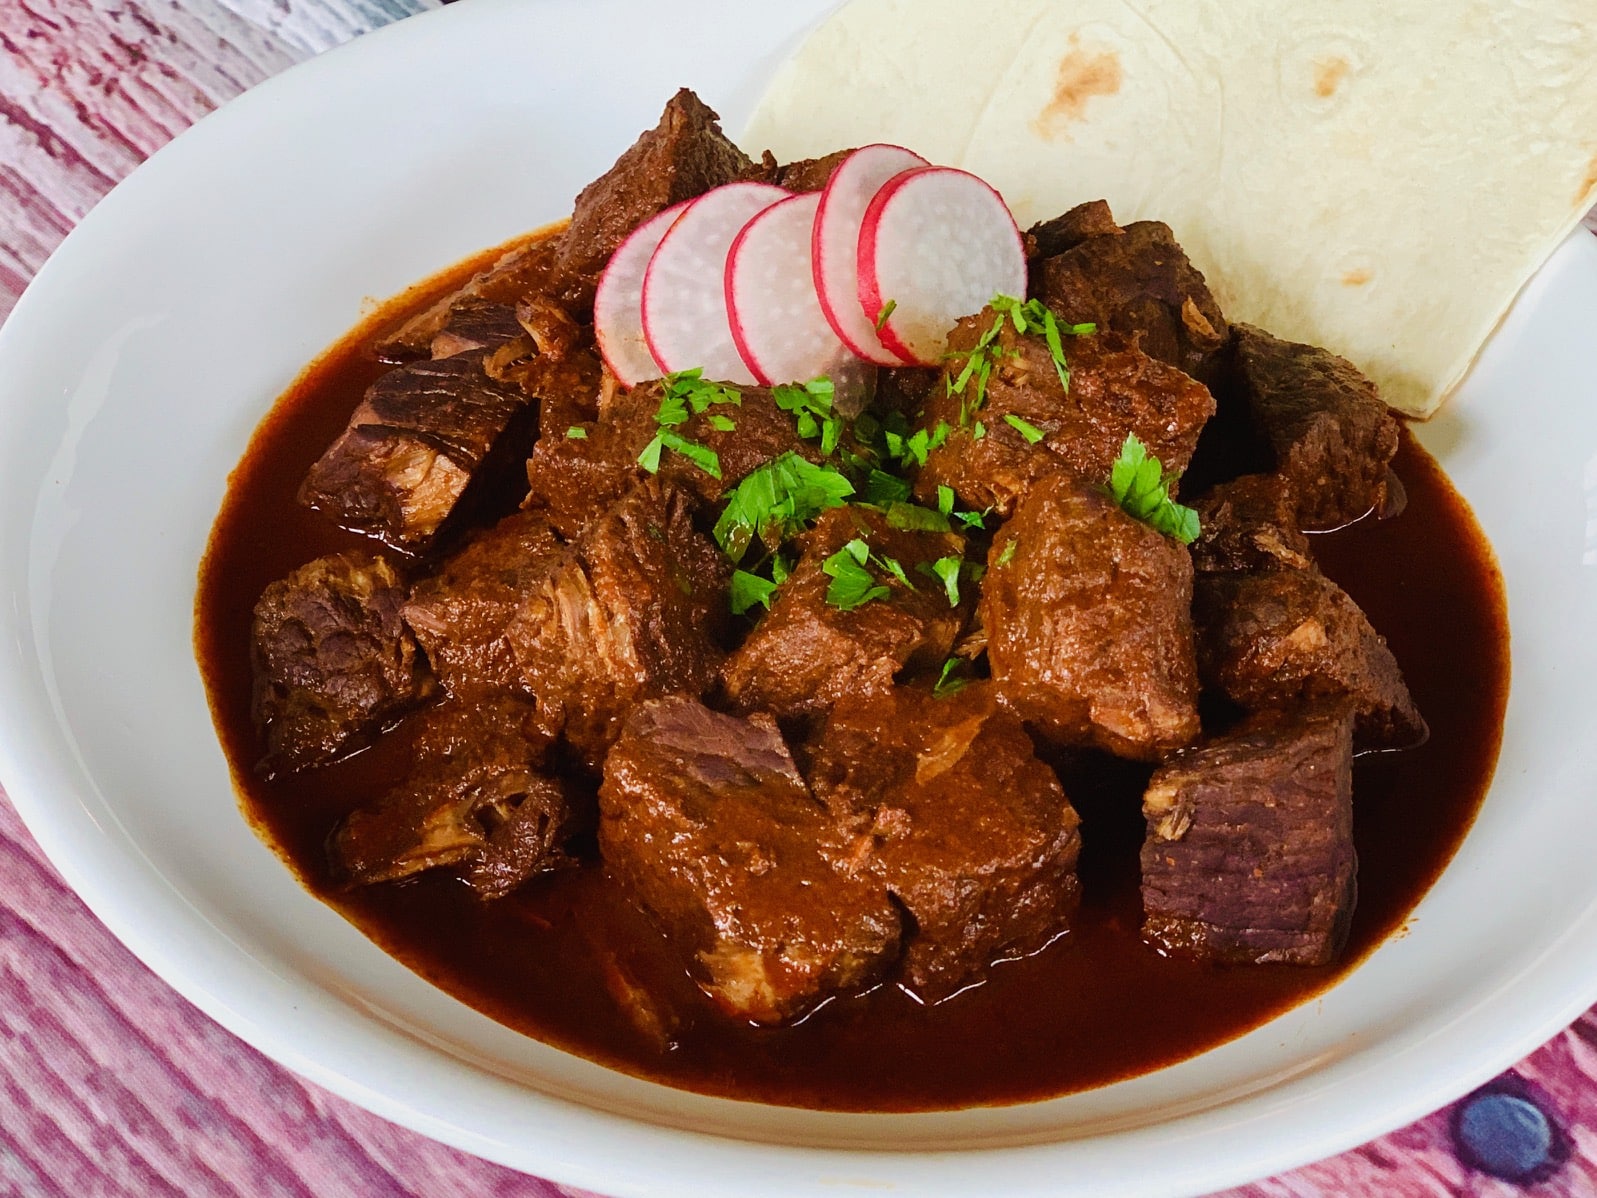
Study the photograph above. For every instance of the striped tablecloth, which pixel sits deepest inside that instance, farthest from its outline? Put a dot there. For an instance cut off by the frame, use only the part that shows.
(110, 1084)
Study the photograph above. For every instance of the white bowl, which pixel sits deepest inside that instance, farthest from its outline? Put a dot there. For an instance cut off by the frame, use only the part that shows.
(133, 372)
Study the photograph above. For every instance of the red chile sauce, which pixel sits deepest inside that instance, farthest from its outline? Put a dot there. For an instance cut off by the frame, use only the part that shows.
(1094, 1007)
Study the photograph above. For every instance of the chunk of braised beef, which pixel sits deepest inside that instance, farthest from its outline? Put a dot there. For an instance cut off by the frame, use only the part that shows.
(524, 270)
(477, 325)
(810, 174)
(1115, 389)
(635, 609)
(478, 799)
(1269, 639)
(423, 435)
(1138, 282)
(332, 660)
(460, 613)
(1331, 436)
(684, 156)
(1088, 620)
(1249, 523)
(576, 472)
(806, 653)
(956, 817)
(706, 821)
(1249, 852)
(1050, 238)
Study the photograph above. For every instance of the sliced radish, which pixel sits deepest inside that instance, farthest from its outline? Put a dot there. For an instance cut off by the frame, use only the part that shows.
(618, 304)
(937, 243)
(835, 245)
(777, 322)
(684, 288)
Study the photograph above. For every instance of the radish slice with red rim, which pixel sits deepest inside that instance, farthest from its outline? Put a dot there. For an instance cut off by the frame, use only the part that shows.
(776, 316)
(835, 247)
(618, 303)
(936, 244)
(684, 289)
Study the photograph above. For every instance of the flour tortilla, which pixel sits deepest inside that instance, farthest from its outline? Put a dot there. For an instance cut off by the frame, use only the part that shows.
(1379, 178)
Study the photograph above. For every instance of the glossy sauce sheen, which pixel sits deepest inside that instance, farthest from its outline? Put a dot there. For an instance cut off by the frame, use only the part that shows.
(1094, 1007)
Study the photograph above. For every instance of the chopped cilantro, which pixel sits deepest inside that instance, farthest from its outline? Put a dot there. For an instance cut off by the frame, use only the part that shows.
(1025, 428)
(887, 310)
(686, 394)
(1035, 317)
(722, 424)
(972, 520)
(577, 433)
(686, 391)
(1008, 553)
(776, 501)
(749, 589)
(649, 459)
(912, 516)
(946, 570)
(948, 682)
(892, 566)
(702, 456)
(884, 488)
(979, 431)
(945, 500)
(852, 584)
(1141, 487)
(811, 407)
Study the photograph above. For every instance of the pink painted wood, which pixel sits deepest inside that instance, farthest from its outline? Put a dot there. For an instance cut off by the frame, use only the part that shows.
(110, 1084)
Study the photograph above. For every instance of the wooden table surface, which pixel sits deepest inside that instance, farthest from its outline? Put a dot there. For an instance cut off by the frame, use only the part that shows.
(110, 1084)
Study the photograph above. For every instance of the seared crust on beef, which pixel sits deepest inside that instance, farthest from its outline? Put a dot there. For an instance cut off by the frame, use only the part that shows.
(1332, 438)
(1115, 389)
(1249, 853)
(333, 660)
(706, 820)
(806, 654)
(954, 814)
(1089, 631)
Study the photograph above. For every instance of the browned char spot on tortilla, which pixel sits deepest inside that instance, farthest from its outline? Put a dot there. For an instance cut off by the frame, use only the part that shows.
(1083, 73)
(1588, 181)
(1357, 277)
(1329, 73)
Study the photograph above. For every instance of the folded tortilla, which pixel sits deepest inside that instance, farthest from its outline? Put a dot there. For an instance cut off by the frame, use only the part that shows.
(1375, 177)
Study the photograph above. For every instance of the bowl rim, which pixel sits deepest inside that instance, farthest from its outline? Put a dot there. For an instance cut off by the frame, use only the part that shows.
(103, 863)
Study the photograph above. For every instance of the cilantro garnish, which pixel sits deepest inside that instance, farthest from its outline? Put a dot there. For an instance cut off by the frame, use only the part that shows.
(884, 488)
(577, 433)
(811, 405)
(686, 391)
(893, 567)
(776, 501)
(852, 584)
(1008, 554)
(722, 424)
(948, 682)
(887, 311)
(1141, 487)
(1034, 317)
(686, 394)
(749, 589)
(1031, 317)
(945, 500)
(946, 570)
(1025, 428)
(702, 456)
(912, 516)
